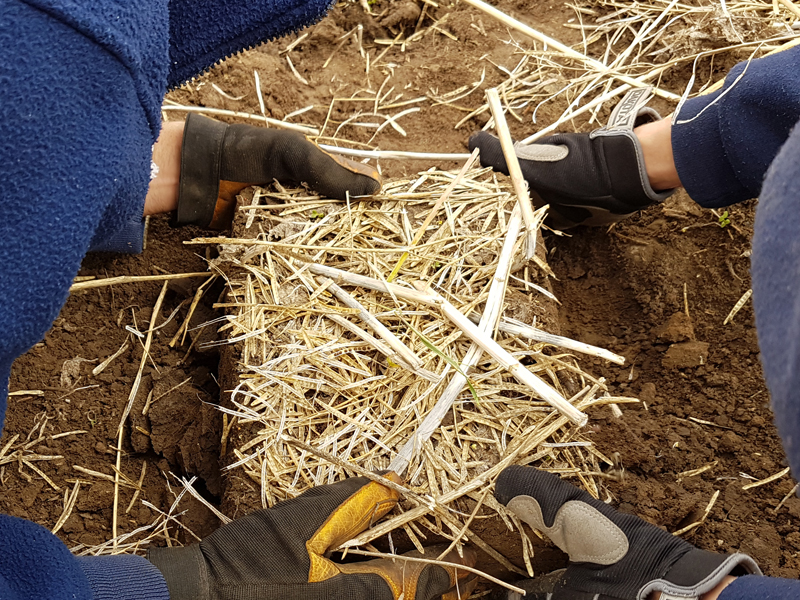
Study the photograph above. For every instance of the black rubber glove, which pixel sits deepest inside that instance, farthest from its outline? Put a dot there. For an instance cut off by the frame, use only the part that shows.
(592, 178)
(280, 554)
(218, 161)
(613, 556)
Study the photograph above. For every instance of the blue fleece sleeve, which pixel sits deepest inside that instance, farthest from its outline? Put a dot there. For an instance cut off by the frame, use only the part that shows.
(724, 142)
(34, 564)
(755, 587)
(76, 142)
(128, 238)
(123, 577)
(775, 274)
(136, 34)
(75, 139)
(203, 33)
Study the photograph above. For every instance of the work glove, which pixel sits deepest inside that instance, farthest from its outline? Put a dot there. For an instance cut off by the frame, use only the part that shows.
(592, 178)
(613, 556)
(281, 554)
(218, 161)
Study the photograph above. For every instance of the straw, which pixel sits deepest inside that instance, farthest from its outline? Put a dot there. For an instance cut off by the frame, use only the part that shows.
(242, 115)
(488, 345)
(514, 171)
(738, 306)
(434, 211)
(434, 418)
(96, 283)
(512, 326)
(766, 480)
(321, 396)
(566, 50)
(395, 154)
(407, 356)
(69, 504)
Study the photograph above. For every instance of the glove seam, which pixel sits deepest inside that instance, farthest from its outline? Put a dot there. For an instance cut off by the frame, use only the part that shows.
(203, 575)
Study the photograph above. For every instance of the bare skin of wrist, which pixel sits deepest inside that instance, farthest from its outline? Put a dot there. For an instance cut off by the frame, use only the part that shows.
(712, 595)
(656, 141)
(162, 195)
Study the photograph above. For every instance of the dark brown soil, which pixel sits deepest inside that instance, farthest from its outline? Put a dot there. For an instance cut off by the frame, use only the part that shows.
(180, 433)
(647, 289)
(624, 290)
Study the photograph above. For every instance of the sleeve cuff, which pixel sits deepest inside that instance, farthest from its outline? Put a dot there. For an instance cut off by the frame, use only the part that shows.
(755, 586)
(123, 577)
(129, 239)
(699, 152)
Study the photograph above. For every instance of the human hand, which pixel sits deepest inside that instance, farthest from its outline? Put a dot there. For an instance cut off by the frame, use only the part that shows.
(281, 554)
(613, 555)
(592, 178)
(218, 161)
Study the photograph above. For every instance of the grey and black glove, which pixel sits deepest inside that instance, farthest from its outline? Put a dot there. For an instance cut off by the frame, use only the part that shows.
(281, 553)
(218, 161)
(592, 178)
(613, 556)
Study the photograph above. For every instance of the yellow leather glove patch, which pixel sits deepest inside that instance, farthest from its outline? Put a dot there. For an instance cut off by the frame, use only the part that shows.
(352, 517)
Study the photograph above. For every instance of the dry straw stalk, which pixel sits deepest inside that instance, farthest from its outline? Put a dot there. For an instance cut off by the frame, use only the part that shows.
(502, 356)
(514, 171)
(491, 314)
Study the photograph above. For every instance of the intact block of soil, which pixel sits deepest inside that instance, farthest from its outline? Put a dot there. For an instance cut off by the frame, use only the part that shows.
(678, 328)
(686, 355)
(296, 374)
(730, 442)
(31, 493)
(185, 428)
(97, 497)
(74, 524)
(403, 13)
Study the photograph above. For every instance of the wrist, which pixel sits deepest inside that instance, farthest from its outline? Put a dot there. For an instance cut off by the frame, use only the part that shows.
(656, 142)
(162, 195)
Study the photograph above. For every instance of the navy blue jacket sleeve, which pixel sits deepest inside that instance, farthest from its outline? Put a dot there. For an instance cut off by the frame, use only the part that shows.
(776, 292)
(724, 142)
(82, 84)
(76, 136)
(33, 566)
(42, 567)
(198, 41)
(754, 587)
(78, 127)
(741, 142)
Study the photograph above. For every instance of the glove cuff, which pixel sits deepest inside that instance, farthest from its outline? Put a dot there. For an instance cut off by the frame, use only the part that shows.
(631, 112)
(184, 570)
(698, 572)
(201, 158)
(123, 577)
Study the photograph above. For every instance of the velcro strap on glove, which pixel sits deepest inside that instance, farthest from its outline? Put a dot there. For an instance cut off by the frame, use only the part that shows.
(632, 111)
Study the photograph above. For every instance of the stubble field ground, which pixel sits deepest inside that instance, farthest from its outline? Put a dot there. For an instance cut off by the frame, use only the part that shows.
(655, 289)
